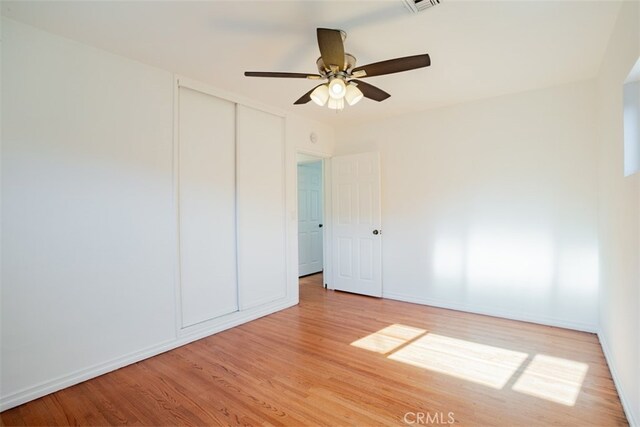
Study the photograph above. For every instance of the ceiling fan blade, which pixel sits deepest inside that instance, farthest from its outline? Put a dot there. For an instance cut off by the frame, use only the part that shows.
(393, 66)
(281, 75)
(331, 47)
(306, 97)
(371, 92)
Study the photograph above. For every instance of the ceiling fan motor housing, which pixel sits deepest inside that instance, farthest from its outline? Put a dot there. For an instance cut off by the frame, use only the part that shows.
(349, 64)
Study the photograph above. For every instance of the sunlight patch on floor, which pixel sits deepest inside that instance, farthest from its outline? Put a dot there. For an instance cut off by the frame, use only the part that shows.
(552, 378)
(478, 363)
(389, 338)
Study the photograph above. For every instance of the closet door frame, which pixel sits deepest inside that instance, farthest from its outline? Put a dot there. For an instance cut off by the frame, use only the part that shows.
(180, 81)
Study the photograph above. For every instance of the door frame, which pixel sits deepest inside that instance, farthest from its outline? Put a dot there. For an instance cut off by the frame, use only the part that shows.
(327, 229)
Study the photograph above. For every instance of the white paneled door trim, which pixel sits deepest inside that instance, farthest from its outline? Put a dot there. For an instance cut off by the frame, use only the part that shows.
(327, 203)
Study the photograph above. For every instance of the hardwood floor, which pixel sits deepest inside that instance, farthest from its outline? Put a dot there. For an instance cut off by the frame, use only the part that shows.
(342, 359)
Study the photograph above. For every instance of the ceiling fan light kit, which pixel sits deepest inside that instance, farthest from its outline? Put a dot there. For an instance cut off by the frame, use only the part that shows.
(336, 93)
(320, 95)
(353, 95)
(337, 88)
(335, 103)
(339, 68)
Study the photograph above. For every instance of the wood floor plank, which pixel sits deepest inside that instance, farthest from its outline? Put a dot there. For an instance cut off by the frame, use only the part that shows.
(301, 366)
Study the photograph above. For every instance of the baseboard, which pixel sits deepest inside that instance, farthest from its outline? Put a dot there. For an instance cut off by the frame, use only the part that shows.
(47, 387)
(264, 301)
(626, 404)
(210, 327)
(506, 314)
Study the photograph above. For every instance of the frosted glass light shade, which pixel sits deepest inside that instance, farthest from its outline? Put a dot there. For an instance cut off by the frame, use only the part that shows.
(320, 95)
(337, 88)
(336, 104)
(353, 95)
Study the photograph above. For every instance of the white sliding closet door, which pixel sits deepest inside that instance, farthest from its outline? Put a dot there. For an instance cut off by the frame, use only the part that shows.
(207, 213)
(261, 209)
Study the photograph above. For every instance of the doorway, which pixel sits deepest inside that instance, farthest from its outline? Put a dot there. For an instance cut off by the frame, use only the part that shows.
(310, 215)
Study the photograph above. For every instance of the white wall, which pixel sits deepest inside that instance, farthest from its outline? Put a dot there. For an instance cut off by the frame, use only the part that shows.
(89, 246)
(490, 206)
(87, 212)
(300, 130)
(619, 217)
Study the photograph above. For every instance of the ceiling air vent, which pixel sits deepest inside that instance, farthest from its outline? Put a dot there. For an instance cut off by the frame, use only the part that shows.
(416, 6)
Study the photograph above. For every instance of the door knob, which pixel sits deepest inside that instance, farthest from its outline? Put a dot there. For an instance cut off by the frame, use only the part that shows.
(376, 232)
(319, 225)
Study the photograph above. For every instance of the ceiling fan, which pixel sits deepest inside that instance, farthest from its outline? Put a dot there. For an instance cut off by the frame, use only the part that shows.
(340, 71)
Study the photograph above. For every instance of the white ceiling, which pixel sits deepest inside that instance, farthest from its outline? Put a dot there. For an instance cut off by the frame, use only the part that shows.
(478, 48)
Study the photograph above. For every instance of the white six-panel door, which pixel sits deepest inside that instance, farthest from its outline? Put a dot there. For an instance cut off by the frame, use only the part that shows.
(356, 221)
(310, 218)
